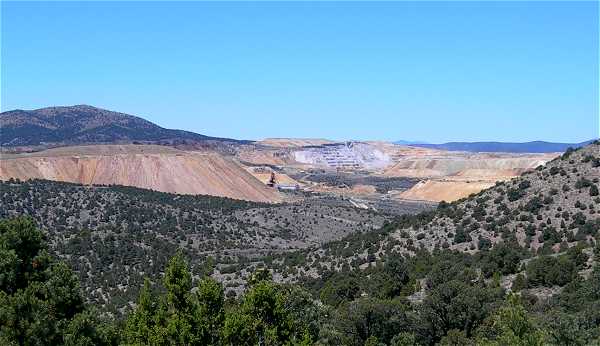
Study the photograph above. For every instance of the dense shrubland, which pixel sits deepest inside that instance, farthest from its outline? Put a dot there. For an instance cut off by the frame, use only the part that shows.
(135, 231)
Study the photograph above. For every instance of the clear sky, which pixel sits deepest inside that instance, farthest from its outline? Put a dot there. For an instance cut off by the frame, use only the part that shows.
(431, 71)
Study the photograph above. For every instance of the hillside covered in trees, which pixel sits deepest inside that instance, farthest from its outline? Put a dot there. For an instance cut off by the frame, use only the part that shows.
(135, 231)
(83, 124)
(517, 264)
(41, 303)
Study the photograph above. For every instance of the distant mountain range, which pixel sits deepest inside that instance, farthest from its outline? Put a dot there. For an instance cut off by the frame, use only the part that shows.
(405, 142)
(84, 124)
(526, 147)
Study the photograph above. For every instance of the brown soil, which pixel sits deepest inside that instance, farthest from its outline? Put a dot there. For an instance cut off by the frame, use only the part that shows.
(146, 166)
(293, 142)
(443, 190)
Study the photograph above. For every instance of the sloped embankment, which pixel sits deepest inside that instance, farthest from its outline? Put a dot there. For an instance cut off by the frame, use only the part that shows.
(151, 167)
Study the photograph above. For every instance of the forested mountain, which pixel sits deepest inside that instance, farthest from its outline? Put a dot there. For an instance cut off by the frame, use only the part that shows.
(83, 124)
(504, 147)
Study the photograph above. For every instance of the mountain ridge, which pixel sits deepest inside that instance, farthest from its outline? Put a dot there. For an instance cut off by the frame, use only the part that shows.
(84, 124)
(508, 147)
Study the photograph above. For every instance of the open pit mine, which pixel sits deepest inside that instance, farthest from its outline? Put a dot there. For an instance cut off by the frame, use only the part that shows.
(362, 168)
(276, 170)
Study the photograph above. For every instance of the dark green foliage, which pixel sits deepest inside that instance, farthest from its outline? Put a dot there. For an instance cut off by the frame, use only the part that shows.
(462, 236)
(457, 305)
(339, 288)
(267, 314)
(503, 258)
(583, 182)
(524, 184)
(389, 281)
(576, 255)
(514, 194)
(367, 318)
(511, 325)
(484, 244)
(550, 271)
(40, 299)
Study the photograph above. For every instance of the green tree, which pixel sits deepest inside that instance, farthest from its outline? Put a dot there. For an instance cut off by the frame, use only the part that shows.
(270, 321)
(404, 339)
(456, 305)
(180, 317)
(140, 323)
(178, 282)
(365, 318)
(340, 288)
(209, 312)
(513, 327)
(40, 299)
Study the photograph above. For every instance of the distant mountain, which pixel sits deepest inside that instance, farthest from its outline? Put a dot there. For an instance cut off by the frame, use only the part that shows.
(526, 147)
(404, 142)
(84, 124)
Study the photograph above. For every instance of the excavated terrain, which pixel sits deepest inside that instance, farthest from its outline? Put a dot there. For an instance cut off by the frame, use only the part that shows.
(449, 176)
(444, 175)
(146, 166)
(544, 210)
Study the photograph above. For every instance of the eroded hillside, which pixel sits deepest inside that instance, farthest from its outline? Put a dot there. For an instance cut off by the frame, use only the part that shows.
(146, 166)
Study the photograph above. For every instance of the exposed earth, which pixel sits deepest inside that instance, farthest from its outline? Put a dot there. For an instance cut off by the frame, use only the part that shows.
(88, 145)
(146, 166)
(358, 169)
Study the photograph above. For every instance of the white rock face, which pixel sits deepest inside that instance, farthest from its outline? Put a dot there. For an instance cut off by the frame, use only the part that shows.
(348, 155)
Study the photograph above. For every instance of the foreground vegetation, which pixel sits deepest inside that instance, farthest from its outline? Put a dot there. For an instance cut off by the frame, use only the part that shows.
(134, 232)
(41, 303)
(517, 264)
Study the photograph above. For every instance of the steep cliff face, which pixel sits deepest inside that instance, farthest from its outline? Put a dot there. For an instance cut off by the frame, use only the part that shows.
(151, 167)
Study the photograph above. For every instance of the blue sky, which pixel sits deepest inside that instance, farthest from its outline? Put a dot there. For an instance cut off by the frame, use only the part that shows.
(432, 71)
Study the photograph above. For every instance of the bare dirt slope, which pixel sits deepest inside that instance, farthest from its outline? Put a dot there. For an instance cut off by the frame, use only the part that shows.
(449, 176)
(293, 142)
(256, 155)
(441, 190)
(264, 175)
(462, 164)
(146, 166)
